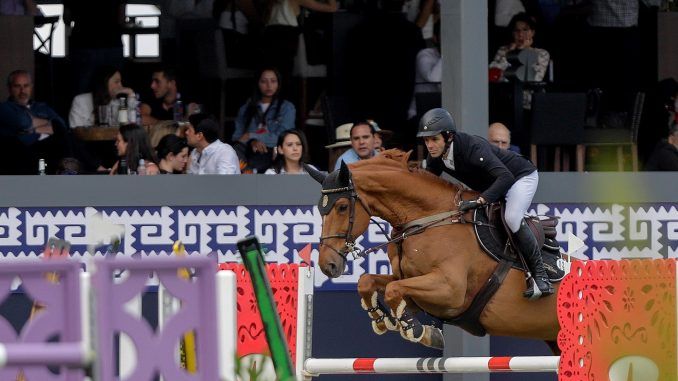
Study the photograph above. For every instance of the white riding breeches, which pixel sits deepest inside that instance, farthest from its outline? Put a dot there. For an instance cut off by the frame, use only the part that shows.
(519, 198)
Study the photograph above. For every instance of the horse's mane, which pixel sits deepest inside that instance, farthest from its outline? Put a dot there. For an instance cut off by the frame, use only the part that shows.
(398, 161)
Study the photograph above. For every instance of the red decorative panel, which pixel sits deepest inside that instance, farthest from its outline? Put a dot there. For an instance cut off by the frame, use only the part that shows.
(618, 318)
(283, 279)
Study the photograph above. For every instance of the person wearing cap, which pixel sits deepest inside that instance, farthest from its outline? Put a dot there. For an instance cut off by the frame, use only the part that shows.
(362, 144)
(495, 173)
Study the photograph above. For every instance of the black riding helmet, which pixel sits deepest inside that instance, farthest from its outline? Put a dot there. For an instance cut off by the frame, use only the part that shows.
(436, 121)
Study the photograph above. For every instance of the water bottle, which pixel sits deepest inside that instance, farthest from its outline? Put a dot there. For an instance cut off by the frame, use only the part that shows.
(42, 166)
(123, 116)
(141, 169)
(122, 168)
(178, 109)
(137, 110)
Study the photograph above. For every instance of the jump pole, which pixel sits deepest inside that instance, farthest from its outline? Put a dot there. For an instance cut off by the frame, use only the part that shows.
(315, 367)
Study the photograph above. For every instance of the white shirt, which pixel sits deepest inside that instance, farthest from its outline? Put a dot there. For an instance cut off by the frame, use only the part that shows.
(216, 159)
(271, 171)
(429, 69)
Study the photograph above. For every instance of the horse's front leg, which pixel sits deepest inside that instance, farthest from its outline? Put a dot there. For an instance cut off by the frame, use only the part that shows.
(432, 288)
(370, 286)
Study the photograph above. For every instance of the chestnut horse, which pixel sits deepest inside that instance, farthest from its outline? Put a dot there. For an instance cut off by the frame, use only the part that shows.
(439, 270)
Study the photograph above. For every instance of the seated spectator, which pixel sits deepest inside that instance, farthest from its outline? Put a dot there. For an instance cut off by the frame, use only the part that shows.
(381, 137)
(665, 155)
(18, 8)
(173, 154)
(292, 153)
(523, 27)
(429, 70)
(423, 13)
(165, 96)
(261, 120)
(209, 156)
(362, 144)
(30, 130)
(342, 142)
(133, 146)
(106, 87)
(499, 135)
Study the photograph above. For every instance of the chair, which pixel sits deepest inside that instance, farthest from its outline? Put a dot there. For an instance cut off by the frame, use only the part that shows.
(303, 70)
(336, 111)
(558, 119)
(620, 137)
(44, 46)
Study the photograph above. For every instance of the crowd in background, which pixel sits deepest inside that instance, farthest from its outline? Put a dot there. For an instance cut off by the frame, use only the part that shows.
(392, 54)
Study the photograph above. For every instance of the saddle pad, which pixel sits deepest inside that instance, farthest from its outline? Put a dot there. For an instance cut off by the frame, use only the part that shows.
(494, 242)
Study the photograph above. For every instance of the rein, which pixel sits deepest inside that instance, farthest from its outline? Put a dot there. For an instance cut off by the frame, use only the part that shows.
(406, 230)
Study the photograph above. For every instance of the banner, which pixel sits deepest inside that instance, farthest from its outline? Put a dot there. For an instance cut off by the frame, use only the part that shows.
(610, 231)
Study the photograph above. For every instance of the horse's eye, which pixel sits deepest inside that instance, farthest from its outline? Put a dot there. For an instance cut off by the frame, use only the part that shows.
(342, 208)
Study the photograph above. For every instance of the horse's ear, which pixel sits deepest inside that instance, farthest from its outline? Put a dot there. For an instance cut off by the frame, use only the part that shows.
(315, 174)
(344, 175)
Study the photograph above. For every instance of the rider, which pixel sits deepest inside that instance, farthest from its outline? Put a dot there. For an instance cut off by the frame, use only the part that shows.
(496, 174)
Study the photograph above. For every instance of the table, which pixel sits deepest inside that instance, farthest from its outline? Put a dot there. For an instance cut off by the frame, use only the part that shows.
(96, 134)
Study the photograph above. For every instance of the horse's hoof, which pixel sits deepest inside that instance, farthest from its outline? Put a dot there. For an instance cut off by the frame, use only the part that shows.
(379, 328)
(433, 337)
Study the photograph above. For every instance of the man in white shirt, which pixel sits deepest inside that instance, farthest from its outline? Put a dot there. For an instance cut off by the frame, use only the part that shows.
(210, 156)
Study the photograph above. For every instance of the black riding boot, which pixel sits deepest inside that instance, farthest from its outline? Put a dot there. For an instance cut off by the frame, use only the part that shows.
(538, 284)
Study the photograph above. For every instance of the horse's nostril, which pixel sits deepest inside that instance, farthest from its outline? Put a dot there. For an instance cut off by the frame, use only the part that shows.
(332, 267)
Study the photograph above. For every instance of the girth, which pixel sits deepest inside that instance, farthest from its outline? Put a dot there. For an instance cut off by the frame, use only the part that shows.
(469, 320)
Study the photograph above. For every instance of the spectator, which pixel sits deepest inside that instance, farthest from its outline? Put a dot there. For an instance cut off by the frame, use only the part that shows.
(381, 137)
(261, 120)
(173, 154)
(499, 135)
(292, 153)
(106, 87)
(342, 142)
(165, 95)
(362, 143)
(133, 146)
(239, 21)
(429, 71)
(422, 13)
(210, 156)
(665, 155)
(18, 8)
(523, 27)
(95, 39)
(31, 130)
(281, 34)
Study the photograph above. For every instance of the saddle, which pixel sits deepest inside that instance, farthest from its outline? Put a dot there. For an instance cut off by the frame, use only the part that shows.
(494, 237)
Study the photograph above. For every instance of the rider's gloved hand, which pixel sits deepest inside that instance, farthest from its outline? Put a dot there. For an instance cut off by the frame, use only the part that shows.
(470, 204)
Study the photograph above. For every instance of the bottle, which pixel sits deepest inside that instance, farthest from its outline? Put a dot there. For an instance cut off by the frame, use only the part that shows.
(178, 109)
(123, 116)
(42, 166)
(141, 169)
(122, 168)
(137, 110)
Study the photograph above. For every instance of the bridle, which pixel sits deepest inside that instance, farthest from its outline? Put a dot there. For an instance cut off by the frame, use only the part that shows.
(349, 239)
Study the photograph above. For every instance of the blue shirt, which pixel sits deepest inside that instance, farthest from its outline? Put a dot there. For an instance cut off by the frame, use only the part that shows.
(15, 120)
(274, 125)
(348, 157)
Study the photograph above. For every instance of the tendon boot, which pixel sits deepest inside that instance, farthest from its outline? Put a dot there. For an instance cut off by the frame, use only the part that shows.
(538, 283)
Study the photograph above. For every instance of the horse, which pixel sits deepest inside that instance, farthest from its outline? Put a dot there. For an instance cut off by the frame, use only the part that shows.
(437, 264)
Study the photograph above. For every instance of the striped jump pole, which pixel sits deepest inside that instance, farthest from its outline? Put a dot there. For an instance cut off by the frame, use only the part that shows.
(315, 367)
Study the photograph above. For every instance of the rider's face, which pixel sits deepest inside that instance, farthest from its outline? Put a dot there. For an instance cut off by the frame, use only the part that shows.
(435, 145)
